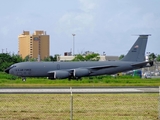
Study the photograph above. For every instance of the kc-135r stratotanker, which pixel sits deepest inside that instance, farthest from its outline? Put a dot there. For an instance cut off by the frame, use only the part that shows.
(134, 59)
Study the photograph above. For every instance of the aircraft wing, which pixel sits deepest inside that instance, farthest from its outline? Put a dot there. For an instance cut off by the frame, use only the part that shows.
(89, 68)
(77, 72)
(101, 67)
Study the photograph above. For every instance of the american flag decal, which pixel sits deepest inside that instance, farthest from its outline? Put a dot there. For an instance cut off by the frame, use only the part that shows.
(136, 46)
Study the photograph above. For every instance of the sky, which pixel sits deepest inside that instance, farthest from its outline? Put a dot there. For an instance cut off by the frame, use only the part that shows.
(108, 26)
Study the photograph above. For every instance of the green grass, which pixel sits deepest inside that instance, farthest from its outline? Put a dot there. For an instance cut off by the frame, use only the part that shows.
(40, 82)
(12, 81)
(85, 106)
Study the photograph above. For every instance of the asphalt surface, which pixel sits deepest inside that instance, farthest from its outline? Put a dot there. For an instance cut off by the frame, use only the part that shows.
(86, 90)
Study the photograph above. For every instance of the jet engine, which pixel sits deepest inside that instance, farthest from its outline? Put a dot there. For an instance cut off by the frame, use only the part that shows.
(59, 74)
(80, 72)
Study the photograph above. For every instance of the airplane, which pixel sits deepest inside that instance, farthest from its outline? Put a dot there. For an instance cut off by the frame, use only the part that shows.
(134, 59)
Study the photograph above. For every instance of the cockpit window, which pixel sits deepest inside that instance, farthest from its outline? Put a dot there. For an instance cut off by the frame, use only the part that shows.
(12, 66)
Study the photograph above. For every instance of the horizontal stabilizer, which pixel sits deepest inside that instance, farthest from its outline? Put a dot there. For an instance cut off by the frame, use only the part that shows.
(144, 64)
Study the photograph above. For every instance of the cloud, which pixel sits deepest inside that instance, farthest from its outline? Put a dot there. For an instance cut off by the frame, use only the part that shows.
(13, 22)
(73, 22)
(78, 21)
(4, 30)
(98, 24)
(88, 5)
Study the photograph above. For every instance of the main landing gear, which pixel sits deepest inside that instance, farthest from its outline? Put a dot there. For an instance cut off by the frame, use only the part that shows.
(23, 79)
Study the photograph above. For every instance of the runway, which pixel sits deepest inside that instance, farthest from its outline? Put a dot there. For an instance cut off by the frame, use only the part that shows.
(64, 90)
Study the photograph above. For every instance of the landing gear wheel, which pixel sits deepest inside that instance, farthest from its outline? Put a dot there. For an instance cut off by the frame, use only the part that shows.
(23, 79)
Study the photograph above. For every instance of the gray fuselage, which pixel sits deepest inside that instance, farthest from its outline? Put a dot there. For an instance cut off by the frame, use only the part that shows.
(41, 69)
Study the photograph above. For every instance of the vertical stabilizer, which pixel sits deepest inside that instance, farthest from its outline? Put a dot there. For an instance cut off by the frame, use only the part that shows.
(137, 52)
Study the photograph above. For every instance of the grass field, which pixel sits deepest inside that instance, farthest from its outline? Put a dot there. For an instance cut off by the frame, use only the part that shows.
(43, 82)
(85, 106)
(12, 81)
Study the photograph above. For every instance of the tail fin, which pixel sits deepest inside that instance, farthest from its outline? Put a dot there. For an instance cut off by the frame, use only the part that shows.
(137, 52)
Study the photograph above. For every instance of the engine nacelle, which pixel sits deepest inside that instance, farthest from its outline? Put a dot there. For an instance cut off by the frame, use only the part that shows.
(81, 72)
(59, 74)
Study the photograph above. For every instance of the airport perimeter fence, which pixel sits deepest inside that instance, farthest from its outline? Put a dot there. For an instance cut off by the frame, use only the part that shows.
(117, 106)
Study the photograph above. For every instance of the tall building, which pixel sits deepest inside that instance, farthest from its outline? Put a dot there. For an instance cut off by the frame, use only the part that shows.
(35, 46)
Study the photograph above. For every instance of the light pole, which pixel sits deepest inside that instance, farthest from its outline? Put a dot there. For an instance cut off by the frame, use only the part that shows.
(73, 43)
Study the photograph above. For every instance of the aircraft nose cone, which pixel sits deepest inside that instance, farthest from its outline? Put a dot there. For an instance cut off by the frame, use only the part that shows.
(7, 70)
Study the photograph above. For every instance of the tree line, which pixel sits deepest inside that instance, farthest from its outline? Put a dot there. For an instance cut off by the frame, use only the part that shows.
(7, 60)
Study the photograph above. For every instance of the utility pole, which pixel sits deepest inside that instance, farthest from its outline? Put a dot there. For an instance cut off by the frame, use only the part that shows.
(73, 43)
